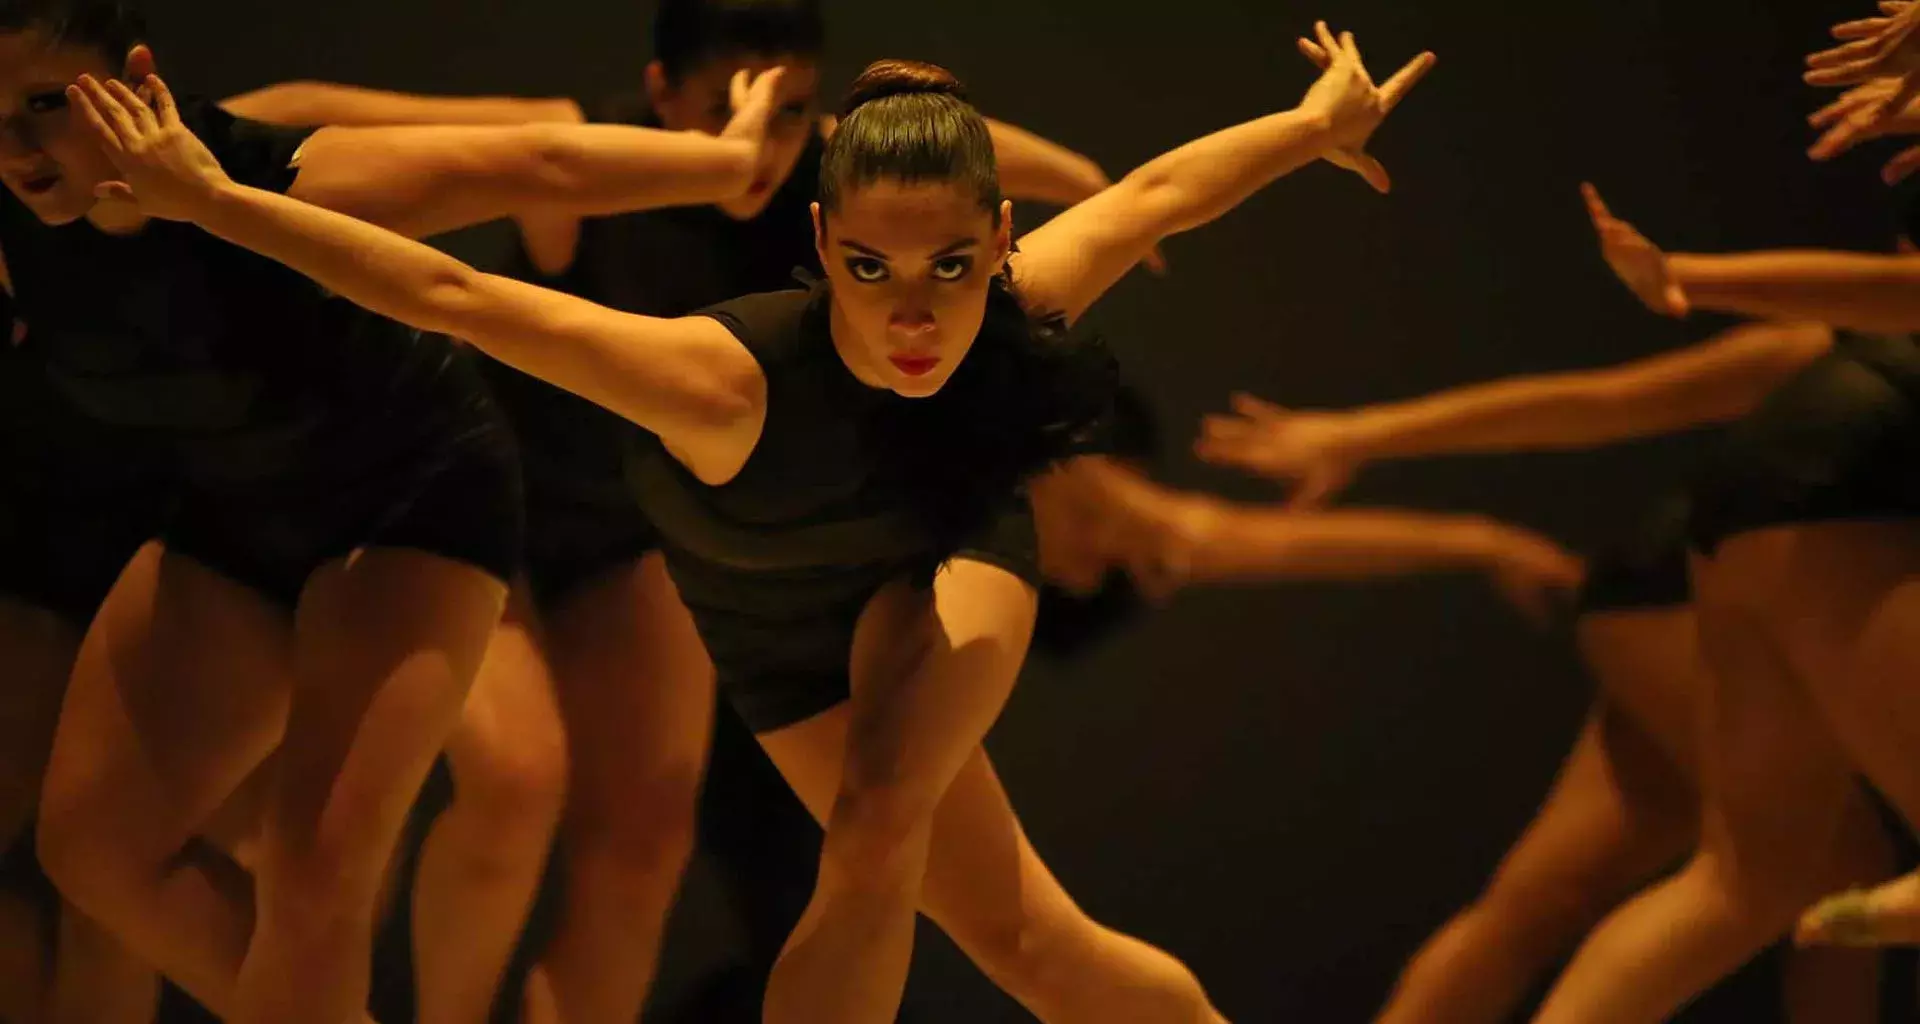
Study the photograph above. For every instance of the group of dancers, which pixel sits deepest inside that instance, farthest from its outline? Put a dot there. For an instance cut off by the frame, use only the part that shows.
(773, 430)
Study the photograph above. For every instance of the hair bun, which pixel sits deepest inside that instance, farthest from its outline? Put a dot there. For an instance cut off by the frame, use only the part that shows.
(887, 78)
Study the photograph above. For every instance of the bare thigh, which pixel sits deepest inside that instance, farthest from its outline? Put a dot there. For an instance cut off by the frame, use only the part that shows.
(180, 690)
(37, 649)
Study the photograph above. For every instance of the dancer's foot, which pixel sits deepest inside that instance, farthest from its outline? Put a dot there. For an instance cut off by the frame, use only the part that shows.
(1888, 915)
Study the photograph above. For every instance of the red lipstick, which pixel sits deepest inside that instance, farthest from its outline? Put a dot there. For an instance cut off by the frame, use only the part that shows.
(914, 366)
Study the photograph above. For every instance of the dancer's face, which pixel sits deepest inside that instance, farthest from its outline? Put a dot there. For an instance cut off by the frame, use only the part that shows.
(910, 265)
(701, 102)
(49, 159)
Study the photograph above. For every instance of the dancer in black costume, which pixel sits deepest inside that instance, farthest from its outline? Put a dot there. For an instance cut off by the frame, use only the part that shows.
(1799, 528)
(631, 675)
(814, 479)
(77, 499)
(375, 488)
(1626, 806)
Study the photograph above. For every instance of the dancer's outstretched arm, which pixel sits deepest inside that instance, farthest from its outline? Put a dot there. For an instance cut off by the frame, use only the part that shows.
(1715, 381)
(1170, 538)
(1861, 291)
(310, 103)
(1031, 167)
(1068, 263)
(424, 180)
(688, 380)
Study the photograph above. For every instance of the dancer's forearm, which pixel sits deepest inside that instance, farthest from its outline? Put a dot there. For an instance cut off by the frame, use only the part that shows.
(1862, 291)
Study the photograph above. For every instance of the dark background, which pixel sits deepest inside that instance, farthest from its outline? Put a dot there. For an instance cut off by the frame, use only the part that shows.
(1288, 787)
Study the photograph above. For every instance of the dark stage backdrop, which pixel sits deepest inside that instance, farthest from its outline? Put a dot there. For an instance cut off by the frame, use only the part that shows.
(1289, 786)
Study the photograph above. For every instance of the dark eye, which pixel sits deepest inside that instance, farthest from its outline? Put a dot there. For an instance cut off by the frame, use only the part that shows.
(953, 268)
(867, 270)
(46, 103)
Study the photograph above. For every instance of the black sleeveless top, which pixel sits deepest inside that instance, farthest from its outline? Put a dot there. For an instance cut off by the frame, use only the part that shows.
(246, 370)
(778, 563)
(666, 263)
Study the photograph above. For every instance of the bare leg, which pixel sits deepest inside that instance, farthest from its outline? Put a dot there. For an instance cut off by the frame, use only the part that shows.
(1842, 986)
(930, 673)
(36, 654)
(988, 889)
(387, 645)
(1854, 634)
(37, 649)
(1623, 809)
(638, 692)
(1775, 791)
(180, 690)
(482, 862)
(1617, 816)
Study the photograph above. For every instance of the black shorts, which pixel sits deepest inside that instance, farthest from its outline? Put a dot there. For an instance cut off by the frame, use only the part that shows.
(579, 527)
(423, 461)
(783, 644)
(1838, 442)
(1070, 625)
(1646, 571)
(462, 503)
(582, 519)
(63, 553)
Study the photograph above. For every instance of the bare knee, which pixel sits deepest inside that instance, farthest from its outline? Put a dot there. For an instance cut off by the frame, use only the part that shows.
(637, 835)
(1550, 906)
(319, 889)
(509, 785)
(1033, 951)
(878, 835)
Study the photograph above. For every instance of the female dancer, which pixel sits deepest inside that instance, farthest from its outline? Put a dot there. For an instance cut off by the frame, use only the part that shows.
(76, 501)
(633, 681)
(1798, 518)
(1625, 807)
(160, 329)
(821, 454)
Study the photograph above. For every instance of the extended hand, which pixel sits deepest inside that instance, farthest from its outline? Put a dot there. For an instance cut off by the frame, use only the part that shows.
(1354, 106)
(752, 99)
(164, 169)
(1883, 47)
(1870, 112)
(1636, 261)
(1533, 573)
(1305, 449)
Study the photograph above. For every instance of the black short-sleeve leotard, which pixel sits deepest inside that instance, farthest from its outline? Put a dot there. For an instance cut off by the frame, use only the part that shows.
(298, 427)
(778, 563)
(581, 519)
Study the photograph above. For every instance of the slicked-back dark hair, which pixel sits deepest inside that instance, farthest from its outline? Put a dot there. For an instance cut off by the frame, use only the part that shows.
(909, 122)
